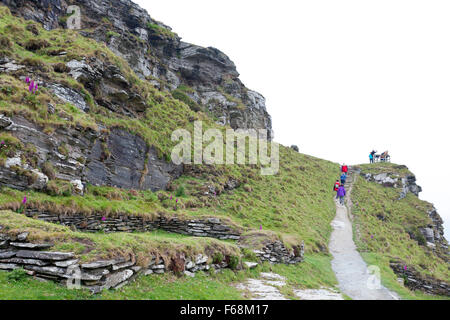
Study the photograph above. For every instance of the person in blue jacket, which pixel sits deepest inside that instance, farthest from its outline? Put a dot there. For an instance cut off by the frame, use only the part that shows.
(343, 178)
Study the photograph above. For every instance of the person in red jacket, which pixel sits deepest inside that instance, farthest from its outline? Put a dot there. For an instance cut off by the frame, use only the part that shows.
(337, 184)
(344, 168)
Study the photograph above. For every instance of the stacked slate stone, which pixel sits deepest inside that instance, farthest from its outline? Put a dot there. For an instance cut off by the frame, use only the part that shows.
(208, 227)
(414, 281)
(276, 252)
(63, 267)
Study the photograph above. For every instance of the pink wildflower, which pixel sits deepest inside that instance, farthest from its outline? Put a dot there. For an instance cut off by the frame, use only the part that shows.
(24, 201)
(103, 218)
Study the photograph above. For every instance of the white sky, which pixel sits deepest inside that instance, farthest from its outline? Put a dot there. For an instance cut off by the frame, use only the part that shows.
(340, 77)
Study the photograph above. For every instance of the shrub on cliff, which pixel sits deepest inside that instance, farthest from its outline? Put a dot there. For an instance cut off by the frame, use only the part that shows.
(36, 44)
(180, 95)
(59, 188)
(49, 170)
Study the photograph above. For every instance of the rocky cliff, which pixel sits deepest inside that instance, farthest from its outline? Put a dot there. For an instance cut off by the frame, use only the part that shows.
(204, 77)
(101, 113)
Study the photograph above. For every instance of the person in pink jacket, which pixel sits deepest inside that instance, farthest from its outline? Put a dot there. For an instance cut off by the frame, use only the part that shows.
(341, 194)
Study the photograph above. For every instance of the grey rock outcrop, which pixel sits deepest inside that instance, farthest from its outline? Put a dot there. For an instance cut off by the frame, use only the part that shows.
(414, 281)
(85, 161)
(159, 56)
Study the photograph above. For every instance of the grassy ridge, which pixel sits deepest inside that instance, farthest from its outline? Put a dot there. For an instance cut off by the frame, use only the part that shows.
(383, 224)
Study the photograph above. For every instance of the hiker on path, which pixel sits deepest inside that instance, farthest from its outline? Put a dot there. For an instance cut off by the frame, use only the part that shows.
(344, 168)
(343, 178)
(337, 184)
(372, 156)
(341, 194)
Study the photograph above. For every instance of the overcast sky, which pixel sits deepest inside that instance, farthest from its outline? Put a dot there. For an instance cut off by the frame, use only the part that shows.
(340, 77)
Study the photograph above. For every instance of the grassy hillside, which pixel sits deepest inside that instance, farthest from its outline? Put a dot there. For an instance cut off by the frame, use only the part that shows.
(314, 272)
(294, 205)
(383, 225)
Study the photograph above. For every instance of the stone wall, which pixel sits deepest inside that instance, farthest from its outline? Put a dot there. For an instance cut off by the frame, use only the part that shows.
(276, 252)
(64, 267)
(206, 227)
(414, 281)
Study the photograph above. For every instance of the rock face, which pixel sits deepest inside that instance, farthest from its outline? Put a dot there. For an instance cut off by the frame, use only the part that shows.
(407, 184)
(414, 281)
(158, 55)
(85, 160)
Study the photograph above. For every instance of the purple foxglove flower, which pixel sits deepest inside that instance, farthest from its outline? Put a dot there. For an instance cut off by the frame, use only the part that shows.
(35, 87)
(24, 201)
(27, 80)
(405, 268)
(103, 218)
(176, 200)
(171, 197)
(260, 227)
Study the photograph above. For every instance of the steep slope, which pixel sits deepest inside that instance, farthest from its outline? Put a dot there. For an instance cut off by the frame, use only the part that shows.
(89, 147)
(398, 232)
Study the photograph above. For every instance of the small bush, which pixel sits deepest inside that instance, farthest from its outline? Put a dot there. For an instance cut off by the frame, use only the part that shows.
(420, 238)
(17, 275)
(61, 68)
(233, 262)
(36, 63)
(33, 29)
(111, 34)
(5, 43)
(49, 170)
(59, 188)
(36, 44)
(217, 257)
(181, 192)
(63, 150)
(180, 95)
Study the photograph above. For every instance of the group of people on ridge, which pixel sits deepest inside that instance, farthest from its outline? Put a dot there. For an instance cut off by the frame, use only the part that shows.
(339, 185)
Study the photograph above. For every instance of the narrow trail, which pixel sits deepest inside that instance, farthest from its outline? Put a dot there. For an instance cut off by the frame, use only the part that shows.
(351, 271)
